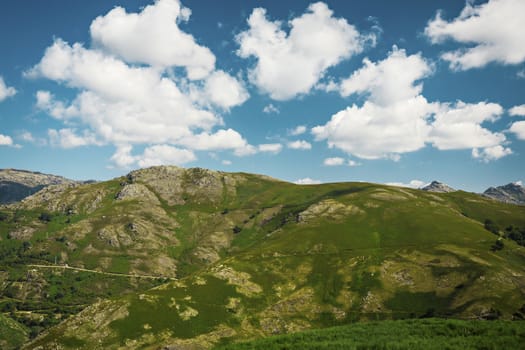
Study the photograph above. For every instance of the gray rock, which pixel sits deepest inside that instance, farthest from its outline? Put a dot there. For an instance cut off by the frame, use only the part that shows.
(512, 193)
(436, 186)
(16, 185)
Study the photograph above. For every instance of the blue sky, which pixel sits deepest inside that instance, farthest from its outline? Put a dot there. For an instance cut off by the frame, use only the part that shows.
(390, 92)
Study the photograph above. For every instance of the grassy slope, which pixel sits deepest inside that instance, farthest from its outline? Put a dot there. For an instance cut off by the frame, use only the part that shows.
(12, 334)
(409, 334)
(365, 252)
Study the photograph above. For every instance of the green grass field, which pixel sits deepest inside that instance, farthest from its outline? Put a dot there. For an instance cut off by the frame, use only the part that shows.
(425, 334)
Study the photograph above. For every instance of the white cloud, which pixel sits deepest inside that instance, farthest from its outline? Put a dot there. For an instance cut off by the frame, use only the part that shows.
(289, 64)
(517, 111)
(226, 162)
(221, 90)
(353, 163)
(521, 74)
(335, 161)
(5, 91)
(153, 155)
(389, 81)
(165, 155)
(122, 103)
(299, 130)
(374, 131)
(68, 138)
(307, 181)
(270, 147)
(491, 153)
(459, 126)
(27, 137)
(396, 118)
(153, 37)
(271, 109)
(6, 140)
(518, 128)
(299, 144)
(493, 32)
(411, 184)
(122, 158)
(220, 140)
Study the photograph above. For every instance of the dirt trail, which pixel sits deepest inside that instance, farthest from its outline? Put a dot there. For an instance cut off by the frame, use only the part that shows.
(100, 272)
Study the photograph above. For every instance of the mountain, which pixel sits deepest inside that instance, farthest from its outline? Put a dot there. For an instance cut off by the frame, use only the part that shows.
(15, 185)
(436, 186)
(511, 193)
(176, 258)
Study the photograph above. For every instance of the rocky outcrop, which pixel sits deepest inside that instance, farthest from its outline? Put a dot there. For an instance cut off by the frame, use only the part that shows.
(439, 187)
(512, 193)
(177, 185)
(16, 185)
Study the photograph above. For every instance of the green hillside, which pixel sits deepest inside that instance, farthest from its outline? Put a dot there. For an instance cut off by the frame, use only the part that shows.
(425, 334)
(194, 258)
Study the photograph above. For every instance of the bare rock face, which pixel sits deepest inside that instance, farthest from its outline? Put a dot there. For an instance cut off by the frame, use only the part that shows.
(137, 192)
(439, 187)
(16, 185)
(512, 193)
(176, 185)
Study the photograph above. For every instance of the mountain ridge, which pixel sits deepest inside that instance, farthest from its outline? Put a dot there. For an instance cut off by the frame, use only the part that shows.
(16, 184)
(241, 256)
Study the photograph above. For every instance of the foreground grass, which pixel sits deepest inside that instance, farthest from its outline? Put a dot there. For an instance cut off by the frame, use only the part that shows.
(406, 334)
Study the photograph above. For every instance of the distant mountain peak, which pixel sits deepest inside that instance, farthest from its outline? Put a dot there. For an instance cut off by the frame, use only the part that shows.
(513, 193)
(436, 186)
(16, 184)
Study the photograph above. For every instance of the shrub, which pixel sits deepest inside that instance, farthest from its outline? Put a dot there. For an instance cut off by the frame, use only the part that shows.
(491, 226)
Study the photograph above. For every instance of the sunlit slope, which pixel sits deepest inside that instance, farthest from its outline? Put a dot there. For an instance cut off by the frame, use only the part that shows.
(256, 257)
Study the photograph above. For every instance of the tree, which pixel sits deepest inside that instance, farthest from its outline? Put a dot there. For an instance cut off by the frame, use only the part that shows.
(498, 245)
(491, 226)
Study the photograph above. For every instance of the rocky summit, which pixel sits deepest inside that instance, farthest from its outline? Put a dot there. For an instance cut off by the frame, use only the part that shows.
(16, 185)
(511, 193)
(439, 187)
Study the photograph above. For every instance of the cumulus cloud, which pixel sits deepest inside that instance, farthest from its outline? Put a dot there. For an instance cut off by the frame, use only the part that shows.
(165, 155)
(5, 91)
(353, 163)
(518, 128)
(289, 64)
(153, 37)
(298, 130)
(6, 140)
(221, 90)
(459, 126)
(393, 120)
(270, 147)
(122, 103)
(334, 161)
(389, 81)
(122, 157)
(493, 32)
(300, 144)
(491, 153)
(396, 118)
(307, 181)
(411, 184)
(226, 162)
(153, 155)
(270, 109)
(68, 138)
(517, 111)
